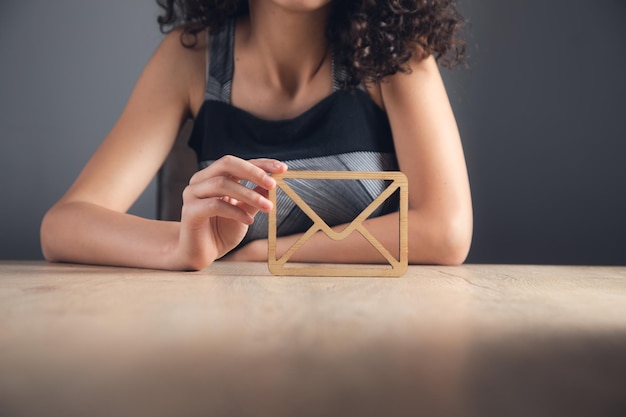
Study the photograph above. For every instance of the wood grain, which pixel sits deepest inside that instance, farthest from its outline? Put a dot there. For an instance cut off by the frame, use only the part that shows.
(234, 340)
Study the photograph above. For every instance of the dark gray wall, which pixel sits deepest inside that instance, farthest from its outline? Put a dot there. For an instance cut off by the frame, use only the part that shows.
(67, 68)
(540, 109)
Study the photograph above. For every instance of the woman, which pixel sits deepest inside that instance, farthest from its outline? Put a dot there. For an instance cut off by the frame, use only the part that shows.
(316, 83)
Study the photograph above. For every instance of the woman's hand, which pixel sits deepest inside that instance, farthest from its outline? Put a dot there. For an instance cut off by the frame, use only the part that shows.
(217, 208)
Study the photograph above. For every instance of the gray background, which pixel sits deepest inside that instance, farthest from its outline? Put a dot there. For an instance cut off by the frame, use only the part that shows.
(541, 110)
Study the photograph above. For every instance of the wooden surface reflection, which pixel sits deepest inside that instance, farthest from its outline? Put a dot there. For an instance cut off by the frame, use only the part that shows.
(233, 340)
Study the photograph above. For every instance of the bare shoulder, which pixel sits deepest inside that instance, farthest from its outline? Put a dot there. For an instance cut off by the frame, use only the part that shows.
(421, 72)
(423, 77)
(181, 59)
(189, 48)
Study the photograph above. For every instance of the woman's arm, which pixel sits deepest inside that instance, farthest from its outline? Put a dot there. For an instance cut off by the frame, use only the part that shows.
(430, 154)
(90, 225)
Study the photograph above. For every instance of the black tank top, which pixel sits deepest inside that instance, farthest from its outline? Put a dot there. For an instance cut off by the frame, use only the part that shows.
(346, 131)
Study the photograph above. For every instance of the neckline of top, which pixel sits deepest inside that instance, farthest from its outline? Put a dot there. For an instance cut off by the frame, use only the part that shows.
(276, 122)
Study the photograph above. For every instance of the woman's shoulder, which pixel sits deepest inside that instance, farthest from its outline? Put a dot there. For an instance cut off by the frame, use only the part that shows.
(419, 78)
(183, 48)
(182, 60)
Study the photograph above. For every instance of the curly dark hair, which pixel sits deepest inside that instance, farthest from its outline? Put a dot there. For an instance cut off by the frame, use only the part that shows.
(371, 39)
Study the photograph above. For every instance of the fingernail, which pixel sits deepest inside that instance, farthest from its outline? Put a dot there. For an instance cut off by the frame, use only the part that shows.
(266, 204)
(269, 181)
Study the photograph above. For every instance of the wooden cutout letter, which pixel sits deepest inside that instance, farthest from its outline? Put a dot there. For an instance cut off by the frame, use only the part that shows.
(394, 268)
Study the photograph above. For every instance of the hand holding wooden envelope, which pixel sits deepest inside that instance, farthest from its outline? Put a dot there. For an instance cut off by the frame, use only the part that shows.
(396, 266)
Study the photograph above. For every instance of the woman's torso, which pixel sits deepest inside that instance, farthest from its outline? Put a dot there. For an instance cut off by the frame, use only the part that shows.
(340, 130)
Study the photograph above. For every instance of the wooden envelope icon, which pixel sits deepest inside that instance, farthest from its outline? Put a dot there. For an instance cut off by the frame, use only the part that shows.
(394, 268)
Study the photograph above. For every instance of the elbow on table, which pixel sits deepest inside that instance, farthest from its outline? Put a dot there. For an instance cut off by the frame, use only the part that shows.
(46, 237)
(55, 235)
(447, 242)
(454, 253)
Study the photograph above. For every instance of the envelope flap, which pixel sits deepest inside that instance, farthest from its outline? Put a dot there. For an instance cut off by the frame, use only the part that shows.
(355, 223)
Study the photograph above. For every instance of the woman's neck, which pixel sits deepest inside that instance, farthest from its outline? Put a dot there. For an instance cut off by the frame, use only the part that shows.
(291, 46)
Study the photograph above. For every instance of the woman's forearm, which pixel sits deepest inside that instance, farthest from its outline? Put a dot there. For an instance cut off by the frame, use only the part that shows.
(86, 233)
(430, 241)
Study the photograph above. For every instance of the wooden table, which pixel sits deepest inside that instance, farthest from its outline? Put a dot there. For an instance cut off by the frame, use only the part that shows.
(232, 340)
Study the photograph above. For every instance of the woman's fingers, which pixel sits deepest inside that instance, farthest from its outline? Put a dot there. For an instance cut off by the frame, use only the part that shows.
(269, 165)
(222, 180)
(216, 191)
(217, 207)
(255, 171)
(225, 188)
(251, 210)
(199, 211)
